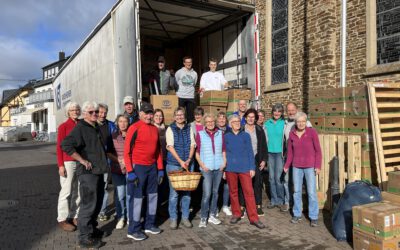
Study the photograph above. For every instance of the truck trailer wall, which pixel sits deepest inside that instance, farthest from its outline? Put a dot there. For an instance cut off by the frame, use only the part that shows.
(89, 76)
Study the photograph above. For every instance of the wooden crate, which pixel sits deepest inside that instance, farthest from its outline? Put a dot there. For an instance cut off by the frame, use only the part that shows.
(384, 101)
(348, 150)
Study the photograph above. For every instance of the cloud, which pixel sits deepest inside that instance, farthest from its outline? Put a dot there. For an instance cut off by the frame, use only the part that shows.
(33, 32)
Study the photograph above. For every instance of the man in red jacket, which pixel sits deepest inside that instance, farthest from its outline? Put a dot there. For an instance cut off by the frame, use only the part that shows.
(68, 199)
(144, 164)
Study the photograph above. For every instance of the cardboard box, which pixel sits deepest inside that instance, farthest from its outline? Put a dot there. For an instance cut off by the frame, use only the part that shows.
(357, 93)
(380, 219)
(169, 118)
(334, 124)
(234, 95)
(318, 123)
(335, 109)
(357, 125)
(394, 182)
(214, 98)
(362, 241)
(389, 197)
(213, 109)
(357, 109)
(317, 96)
(335, 95)
(167, 103)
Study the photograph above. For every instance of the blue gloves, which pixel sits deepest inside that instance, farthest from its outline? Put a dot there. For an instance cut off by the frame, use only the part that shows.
(160, 176)
(132, 177)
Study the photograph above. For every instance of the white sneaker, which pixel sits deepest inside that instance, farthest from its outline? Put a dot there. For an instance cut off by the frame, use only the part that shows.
(120, 224)
(203, 222)
(227, 210)
(214, 220)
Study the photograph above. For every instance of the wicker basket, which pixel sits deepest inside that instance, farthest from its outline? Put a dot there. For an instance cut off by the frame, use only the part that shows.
(184, 180)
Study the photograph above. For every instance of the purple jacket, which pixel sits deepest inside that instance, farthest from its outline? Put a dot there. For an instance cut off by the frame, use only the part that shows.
(304, 152)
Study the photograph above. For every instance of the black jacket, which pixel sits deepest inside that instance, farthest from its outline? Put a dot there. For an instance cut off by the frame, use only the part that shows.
(262, 148)
(85, 139)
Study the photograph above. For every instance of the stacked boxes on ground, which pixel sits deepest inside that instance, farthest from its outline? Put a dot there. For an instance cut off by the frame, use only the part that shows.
(377, 225)
(226, 101)
(346, 111)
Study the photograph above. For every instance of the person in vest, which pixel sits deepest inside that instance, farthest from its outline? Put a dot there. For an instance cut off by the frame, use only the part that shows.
(240, 167)
(68, 199)
(144, 165)
(210, 154)
(160, 79)
(180, 145)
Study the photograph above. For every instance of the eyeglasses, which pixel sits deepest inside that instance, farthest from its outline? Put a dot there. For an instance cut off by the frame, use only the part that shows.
(235, 121)
(91, 112)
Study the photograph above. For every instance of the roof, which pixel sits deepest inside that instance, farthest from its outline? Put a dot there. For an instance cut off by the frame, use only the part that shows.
(43, 82)
(57, 63)
(7, 94)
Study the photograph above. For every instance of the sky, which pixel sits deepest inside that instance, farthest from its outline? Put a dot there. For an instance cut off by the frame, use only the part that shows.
(32, 33)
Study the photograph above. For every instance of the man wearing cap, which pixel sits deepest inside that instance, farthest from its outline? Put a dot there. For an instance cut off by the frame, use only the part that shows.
(212, 80)
(144, 165)
(130, 109)
(160, 79)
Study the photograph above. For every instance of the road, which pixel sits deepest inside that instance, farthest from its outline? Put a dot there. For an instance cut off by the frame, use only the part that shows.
(29, 186)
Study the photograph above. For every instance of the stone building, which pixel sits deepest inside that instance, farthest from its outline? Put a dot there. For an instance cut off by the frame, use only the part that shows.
(300, 46)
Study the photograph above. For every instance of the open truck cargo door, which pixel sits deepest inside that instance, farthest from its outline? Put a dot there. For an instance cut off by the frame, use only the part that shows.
(126, 38)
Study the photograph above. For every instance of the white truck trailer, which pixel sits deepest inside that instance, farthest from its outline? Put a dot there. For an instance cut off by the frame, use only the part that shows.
(110, 62)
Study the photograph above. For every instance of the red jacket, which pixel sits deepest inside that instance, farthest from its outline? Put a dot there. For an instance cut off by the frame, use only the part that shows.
(147, 149)
(63, 130)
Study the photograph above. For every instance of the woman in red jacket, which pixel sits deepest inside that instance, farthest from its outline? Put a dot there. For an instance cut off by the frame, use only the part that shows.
(304, 155)
(68, 199)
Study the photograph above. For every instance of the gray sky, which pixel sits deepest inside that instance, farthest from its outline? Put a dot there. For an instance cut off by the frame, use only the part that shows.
(32, 32)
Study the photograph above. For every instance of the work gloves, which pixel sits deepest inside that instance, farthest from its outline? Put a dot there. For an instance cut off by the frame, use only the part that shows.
(132, 178)
(160, 176)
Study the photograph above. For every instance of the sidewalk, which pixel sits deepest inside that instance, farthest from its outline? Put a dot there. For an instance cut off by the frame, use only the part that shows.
(28, 211)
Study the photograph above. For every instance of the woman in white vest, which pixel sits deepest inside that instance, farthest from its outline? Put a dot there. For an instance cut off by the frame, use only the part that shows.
(210, 155)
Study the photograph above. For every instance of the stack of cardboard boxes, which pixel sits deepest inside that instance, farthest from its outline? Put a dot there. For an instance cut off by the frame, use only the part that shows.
(226, 101)
(346, 111)
(377, 225)
(167, 103)
(214, 101)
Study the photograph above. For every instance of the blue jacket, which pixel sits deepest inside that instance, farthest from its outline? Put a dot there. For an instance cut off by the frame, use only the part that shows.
(212, 160)
(239, 152)
(181, 143)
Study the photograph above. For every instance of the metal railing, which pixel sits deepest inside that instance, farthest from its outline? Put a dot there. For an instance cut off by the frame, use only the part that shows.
(41, 97)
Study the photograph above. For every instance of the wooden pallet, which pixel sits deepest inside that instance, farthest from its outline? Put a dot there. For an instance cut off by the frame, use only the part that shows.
(385, 117)
(348, 150)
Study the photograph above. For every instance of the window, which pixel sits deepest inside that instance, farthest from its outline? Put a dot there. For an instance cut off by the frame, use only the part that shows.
(279, 30)
(383, 37)
(388, 31)
(278, 35)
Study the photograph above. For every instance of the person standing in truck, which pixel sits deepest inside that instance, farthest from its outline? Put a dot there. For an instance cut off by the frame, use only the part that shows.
(160, 79)
(130, 109)
(212, 80)
(186, 79)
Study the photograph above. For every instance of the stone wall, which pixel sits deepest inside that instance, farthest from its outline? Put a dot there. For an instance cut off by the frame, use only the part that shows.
(315, 51)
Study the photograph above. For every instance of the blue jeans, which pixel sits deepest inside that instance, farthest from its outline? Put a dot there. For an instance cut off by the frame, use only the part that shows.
(276, 178)
(211, 182)
(105, 197)
(120, 190)
(174, 196)
(225, 195)
(298, 175)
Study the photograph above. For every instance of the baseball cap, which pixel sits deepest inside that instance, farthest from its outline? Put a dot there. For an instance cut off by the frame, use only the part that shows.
(128, 99)
(161, 59)
(146, 107)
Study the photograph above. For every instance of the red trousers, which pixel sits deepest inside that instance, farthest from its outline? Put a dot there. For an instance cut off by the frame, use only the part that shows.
(248, 193)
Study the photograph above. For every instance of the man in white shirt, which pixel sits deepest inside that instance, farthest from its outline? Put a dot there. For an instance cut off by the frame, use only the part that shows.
(212, 80)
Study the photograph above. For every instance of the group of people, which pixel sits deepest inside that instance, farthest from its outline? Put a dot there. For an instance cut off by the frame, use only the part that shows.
(137, 152)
